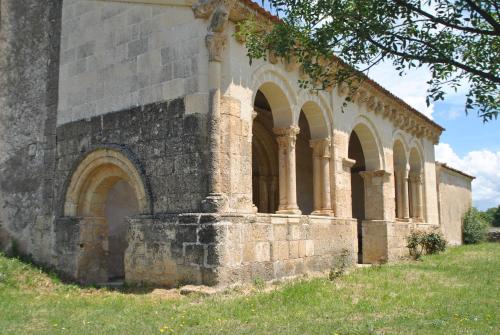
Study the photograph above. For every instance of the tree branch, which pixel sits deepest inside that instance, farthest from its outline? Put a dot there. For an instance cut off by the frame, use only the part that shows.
(433, 60)
(490, 19)
(444, 22)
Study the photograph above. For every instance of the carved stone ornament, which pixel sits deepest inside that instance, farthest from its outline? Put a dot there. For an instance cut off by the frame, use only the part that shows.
(218, 12)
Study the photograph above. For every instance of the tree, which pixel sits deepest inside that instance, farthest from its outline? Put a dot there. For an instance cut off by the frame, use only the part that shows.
(496, 218)
(458, 40)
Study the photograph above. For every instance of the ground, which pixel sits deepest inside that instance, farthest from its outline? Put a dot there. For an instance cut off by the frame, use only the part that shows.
(453, 293)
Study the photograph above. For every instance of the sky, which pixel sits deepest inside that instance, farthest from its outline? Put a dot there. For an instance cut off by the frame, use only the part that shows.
(467, 144)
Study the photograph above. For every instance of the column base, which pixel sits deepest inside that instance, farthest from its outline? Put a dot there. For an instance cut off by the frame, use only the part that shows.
(295, 211)
(214, 203)
(323, 212)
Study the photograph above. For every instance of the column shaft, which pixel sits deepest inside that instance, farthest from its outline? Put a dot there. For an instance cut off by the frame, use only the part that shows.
(316, 182)
(287, 170)
(327, 203)
(405, 200)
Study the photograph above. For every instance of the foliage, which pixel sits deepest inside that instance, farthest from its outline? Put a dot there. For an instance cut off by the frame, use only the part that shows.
(390, 299)
(420, 242)
(458, 41)
(341, 265)
(492, 216)
(259, 283)
(475, 227)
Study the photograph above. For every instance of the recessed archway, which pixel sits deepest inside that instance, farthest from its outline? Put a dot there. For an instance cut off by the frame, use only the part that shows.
(400, 180)
(264, 157)
(362, 149)
(104, 190)
(415, 176)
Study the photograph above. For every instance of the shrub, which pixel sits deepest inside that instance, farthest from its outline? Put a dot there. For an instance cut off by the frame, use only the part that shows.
(475, 227)
(420, 242)
(434, 243)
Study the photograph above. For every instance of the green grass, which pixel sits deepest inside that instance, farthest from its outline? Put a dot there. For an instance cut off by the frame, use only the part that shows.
(453, 293)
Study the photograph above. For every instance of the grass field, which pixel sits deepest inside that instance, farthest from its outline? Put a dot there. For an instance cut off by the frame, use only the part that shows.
(453, 293)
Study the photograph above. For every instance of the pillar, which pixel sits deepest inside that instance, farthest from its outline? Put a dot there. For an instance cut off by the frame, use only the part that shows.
(416, 189)
(379, 196)
(286, 138)
(401, 185)
(405, 197)
(215, 41)
(344, 192)
(321, 176)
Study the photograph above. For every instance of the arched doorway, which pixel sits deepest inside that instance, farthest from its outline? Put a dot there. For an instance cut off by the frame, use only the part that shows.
(415, 186)
(304, 162)
(104, 190)
(366, 179)
(357, 187)
(400, 180)
(120, 204)
(264, 158)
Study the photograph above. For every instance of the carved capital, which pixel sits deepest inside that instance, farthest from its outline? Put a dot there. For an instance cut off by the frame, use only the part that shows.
(321, 147)
(216, 44)
(218, 12)
(415, 177)
(286, 137)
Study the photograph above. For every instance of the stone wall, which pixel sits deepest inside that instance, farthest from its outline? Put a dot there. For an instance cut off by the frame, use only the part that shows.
(118, 55)
(168, 145)
(29, 68)
(455, 198)
(229, 249)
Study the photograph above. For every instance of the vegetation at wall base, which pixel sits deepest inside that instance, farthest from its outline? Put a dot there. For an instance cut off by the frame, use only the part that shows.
(475, 227)
(422, 242)
(455, 292)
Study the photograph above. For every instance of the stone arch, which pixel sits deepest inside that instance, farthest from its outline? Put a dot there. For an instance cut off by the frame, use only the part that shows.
(105, 189)
(400, 177)
(278, 91)
(416, 184)
(96, 174)
(415, 159)
(317, 119)
(370, 143)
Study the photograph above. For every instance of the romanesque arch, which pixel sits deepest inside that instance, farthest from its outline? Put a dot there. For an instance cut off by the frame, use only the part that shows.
(364, 151)
(313, 160)
(279, 93)
(104, 190)
(416, 182)
(400, 169)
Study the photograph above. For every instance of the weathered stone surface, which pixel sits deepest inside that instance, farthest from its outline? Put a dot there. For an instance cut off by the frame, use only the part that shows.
(29, 72)
(167, 145)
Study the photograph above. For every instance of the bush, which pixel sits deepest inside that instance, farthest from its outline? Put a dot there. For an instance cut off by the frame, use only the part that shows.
(420, 242)
(475, 227)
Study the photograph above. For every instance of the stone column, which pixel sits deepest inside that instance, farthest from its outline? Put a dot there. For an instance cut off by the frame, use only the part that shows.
(286, 138)
(405, 197)
(316, 177)
(321, 176)
(401, 185)
(216, 41)
(416, 189)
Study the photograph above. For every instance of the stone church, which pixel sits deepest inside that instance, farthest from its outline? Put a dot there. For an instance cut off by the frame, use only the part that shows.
(137, 143)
